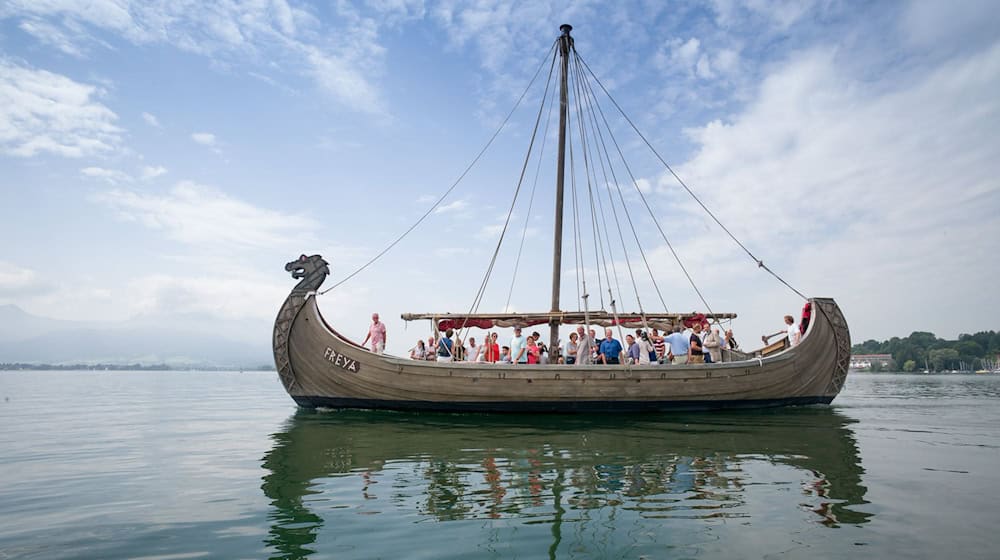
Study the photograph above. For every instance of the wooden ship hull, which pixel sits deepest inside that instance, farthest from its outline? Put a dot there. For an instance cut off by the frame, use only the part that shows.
(320, 368)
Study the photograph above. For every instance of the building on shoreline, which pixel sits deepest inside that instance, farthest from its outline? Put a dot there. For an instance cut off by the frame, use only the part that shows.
(871, 361)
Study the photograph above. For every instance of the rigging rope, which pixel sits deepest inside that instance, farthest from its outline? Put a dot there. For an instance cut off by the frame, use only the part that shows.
(578, 249)
(621, 237)
(520, 181)
(599, 259)
(650, 210)
(455, 184)
(531, 199)
(592, 173)
(760, 263)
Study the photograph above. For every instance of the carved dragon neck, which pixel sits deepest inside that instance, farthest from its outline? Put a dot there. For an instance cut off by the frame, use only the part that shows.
(312, 271)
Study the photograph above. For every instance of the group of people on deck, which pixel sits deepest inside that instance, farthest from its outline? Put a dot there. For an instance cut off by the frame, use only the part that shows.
(522, 349)
(701, 344)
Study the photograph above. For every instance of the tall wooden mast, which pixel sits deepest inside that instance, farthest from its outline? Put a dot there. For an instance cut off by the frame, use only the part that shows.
(565, 45)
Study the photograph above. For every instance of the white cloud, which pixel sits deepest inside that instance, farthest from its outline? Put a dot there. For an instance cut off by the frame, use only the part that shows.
(685, 53)
(726, 61)
(455, 206)
(212, 295)
(490, 232)
(861, 191)
(201, 216)
(399, 10)
(215, 293)
(45, 112)
(207, 299)
(53, 36)
(450, 252)
(493, 27)
(781, 14)
(117, 177)
(111, 176)
(152, 172)
(341, 78)
(946, 24)
(342, 55)
(703, 68)
(16, 281)
(692, 58)
(204, 138)
(151, 120)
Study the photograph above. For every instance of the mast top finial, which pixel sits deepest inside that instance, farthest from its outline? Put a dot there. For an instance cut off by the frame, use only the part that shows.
(565, 28)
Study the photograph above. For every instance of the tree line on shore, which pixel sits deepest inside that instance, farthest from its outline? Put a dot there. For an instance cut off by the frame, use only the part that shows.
(923, 350)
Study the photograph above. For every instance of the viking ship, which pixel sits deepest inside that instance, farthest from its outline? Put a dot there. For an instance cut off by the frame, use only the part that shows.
(319, 367)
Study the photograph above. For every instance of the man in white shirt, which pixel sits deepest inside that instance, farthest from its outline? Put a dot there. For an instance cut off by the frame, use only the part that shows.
(584, 348)
(472, 352)
(793, 331)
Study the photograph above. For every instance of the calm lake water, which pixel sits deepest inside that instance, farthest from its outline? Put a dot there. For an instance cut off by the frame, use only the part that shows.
(222, 465)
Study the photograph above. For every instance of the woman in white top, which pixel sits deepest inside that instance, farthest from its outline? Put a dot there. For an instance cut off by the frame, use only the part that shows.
(569, 356)
(431, 355)
(418, 352)
(645, 347)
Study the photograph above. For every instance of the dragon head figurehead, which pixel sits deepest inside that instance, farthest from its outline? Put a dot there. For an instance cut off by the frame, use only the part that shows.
(312, 271)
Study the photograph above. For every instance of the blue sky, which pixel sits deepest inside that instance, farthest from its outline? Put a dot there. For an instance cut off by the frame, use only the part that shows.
(163, 160)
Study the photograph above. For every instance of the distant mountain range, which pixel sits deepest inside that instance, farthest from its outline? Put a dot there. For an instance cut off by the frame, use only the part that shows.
(181, 342)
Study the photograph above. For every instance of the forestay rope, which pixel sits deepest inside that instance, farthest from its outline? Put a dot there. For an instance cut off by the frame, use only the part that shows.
(531, 199)
(593, 102)
(520, 181)
(453, 185)
(759, 262)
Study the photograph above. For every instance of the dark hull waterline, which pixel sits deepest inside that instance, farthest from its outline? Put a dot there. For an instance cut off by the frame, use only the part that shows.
(554, 407)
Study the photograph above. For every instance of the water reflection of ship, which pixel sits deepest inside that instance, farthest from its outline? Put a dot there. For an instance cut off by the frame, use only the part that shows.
(541, 470)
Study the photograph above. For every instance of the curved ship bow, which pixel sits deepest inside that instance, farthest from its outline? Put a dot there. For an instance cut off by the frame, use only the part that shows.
(311, 271)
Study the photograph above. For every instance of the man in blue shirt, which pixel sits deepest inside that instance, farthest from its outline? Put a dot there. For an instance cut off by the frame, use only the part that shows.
(611, 349)
(445, 347)
(518, 348)
(679, 345)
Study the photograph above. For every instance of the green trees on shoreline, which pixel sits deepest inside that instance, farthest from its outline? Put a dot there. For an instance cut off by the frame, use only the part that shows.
(923, 350)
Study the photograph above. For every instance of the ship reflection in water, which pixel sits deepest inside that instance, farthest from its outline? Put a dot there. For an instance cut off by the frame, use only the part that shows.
(622, 485)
